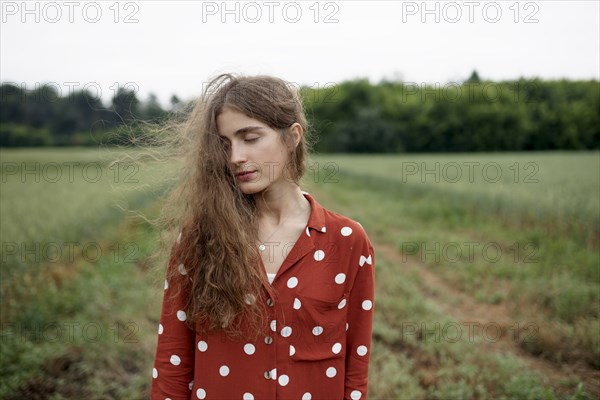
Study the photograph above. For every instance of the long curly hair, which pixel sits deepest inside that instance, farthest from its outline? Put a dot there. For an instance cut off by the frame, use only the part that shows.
(215, 223)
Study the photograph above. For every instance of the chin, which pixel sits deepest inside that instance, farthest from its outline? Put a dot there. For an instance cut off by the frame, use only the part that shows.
(251, 189)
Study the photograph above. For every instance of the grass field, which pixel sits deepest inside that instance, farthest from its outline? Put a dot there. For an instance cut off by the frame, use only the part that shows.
(487, 274)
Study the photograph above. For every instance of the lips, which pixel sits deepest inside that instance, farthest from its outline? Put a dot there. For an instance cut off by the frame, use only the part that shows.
(246, 175)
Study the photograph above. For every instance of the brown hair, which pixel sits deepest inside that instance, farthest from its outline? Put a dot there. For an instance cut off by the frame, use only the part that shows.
(218, 222)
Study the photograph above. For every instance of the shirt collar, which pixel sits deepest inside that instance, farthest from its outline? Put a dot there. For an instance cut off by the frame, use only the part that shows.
(316, 220)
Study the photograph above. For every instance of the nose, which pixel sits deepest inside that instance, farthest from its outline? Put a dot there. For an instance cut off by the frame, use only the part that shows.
(238, 154)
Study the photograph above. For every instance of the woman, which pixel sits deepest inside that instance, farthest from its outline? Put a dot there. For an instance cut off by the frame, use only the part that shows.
(268, 295)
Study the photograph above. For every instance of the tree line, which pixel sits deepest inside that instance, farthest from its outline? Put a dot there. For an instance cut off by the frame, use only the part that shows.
(42, 117)
(353, 116)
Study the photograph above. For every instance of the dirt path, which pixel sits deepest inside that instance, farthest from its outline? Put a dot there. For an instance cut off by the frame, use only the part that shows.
(466, 309)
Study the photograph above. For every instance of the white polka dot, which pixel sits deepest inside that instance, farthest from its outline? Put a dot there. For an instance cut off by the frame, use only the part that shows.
(286, 331)
(355, 395)
(366, 305)
(340, 278)
(297, 304)
(191, 385)
(182, 269)
(201, 393)
(336, 348)
(331, 372)
(202, 345)
(292, 282)
(224, 370)
(342, 304)
(346, 231)
(181, 315)
(274, 373)
(361, 350)
(292, 350)
(284, 380)
(324, 229)
(274, 325)
(175, 360)
(248, 396)
(250, 299)
(249, 349)
(319, 255)
(307, 232)
(317, 330)
(364, 260)
(307, 396)
(154, 373)
(347, 326)
(166, 284)
(160, 329)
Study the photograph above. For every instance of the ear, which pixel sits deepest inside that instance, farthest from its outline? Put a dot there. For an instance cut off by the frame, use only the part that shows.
(296, 131)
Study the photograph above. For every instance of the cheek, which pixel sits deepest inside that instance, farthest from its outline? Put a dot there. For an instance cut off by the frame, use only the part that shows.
(272, 154)
(272, 162)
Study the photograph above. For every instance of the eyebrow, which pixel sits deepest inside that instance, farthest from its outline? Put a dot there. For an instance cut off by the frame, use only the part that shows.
(246, 129)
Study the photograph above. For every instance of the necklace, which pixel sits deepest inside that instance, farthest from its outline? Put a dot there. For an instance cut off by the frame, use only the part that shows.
(262, 246)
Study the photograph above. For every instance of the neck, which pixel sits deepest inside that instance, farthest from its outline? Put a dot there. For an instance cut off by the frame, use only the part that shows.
(281, 202)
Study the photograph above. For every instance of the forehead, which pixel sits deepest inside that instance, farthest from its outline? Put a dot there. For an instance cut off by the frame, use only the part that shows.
(229, 121)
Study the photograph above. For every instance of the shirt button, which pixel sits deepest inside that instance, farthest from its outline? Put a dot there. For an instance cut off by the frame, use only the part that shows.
(268, 340)
(270, 302)
(267, 374)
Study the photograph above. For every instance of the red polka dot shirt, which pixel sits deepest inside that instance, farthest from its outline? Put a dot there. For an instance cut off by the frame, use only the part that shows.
(319, 341)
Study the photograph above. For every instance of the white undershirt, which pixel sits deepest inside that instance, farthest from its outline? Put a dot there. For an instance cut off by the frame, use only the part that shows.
(271, 277)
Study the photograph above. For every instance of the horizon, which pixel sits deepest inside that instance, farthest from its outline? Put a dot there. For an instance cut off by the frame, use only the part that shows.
(112, 45)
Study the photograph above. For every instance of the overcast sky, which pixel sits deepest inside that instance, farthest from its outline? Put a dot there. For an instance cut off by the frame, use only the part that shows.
(173, 47)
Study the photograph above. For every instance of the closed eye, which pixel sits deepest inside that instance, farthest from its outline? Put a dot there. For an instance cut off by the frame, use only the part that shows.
(251, 140)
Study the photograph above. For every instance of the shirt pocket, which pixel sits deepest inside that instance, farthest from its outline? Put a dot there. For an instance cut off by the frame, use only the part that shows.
(321, 327)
